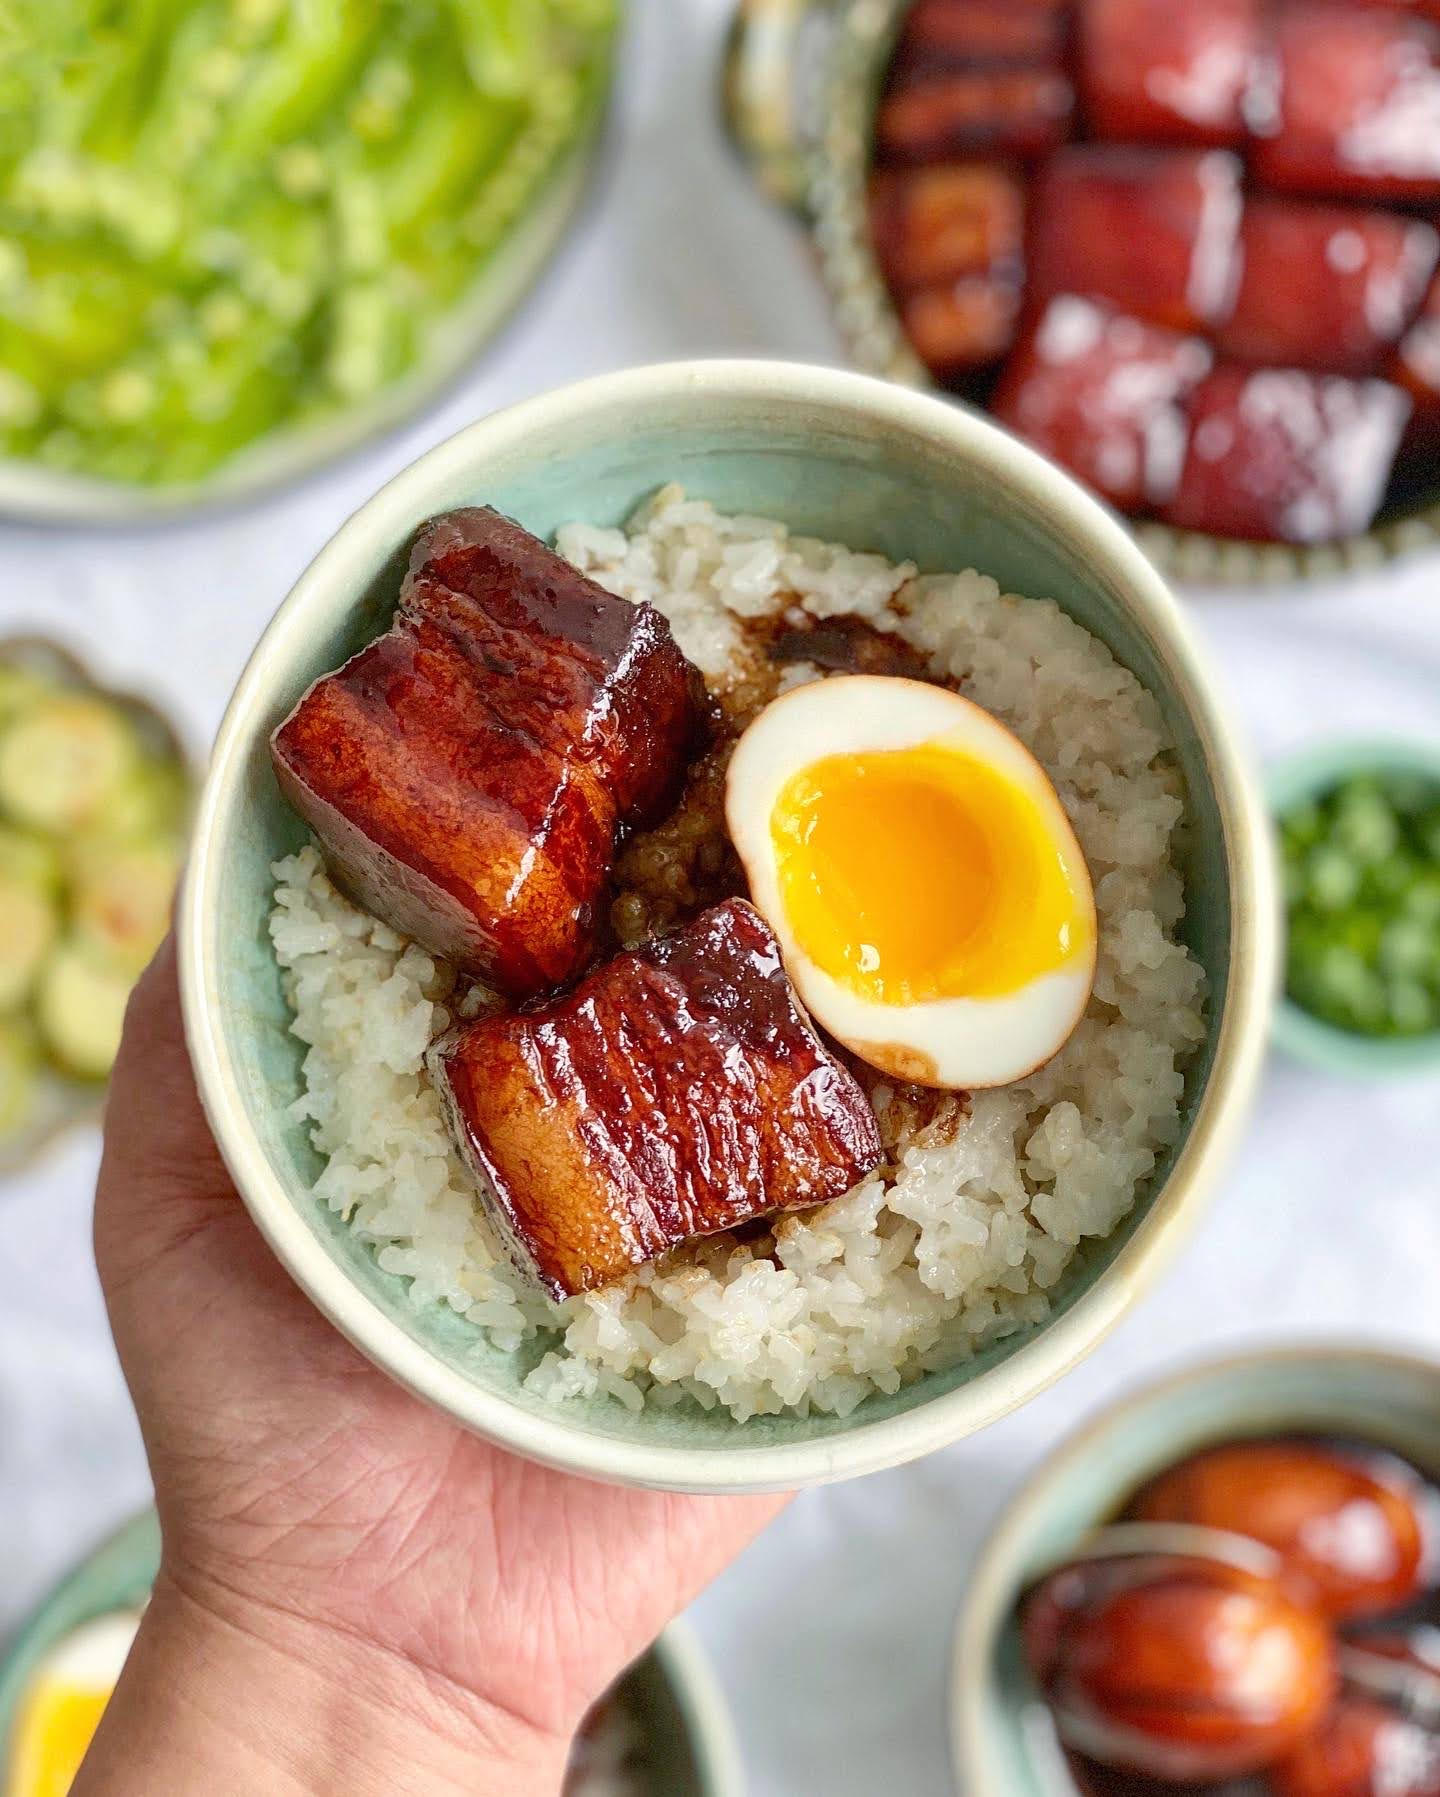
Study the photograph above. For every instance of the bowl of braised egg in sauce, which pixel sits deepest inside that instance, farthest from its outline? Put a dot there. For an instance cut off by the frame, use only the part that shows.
(1228, 1585)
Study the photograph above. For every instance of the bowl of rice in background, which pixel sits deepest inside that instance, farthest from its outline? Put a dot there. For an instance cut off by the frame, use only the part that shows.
(661, 1728)
(1006, 1233)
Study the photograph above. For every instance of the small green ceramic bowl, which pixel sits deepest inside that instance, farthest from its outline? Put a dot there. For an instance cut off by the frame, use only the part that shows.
(1298, 1032)
(687, 1741)
(1390, 1399)
(836, 455)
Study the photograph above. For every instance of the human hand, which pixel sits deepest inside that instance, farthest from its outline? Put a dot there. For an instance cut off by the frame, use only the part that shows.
(397, 1591)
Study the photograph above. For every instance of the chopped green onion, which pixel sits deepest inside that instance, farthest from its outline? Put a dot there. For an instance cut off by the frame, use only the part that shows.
(1362, 886)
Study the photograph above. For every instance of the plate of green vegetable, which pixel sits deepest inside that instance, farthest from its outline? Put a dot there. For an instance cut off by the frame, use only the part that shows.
(1359, 832)
(239, 237)
(95, 797)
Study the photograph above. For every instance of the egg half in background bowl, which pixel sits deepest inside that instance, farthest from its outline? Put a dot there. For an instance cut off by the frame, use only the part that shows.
(661, 1729)
(1347, 1554)
(847, 460)
(61, 1706)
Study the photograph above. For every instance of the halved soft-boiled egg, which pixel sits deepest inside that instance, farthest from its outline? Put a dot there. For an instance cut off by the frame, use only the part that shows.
(932, 904)
(63, 1704)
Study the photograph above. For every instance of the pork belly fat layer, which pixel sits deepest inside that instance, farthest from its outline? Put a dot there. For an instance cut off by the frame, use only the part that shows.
(621, 696)
(678, 1091)
(466, 772)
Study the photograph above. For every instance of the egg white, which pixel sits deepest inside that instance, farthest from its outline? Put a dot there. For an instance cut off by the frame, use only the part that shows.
(961, 1043)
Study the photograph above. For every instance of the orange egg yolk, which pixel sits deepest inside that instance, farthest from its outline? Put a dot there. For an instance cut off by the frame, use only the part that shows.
(910, 875)
(53, 1735)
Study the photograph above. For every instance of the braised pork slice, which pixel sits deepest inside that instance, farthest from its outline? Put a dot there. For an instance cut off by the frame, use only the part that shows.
(468, 771)
(678, 1090)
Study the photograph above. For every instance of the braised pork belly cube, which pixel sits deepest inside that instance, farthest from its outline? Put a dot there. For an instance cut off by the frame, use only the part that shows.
(1169, 71)
(677, 1091)
(1284, 456)
(1103, 395)
(602, 677)
(1330, 288)
(1152, 232)
(941, 34)
(934, 225)
(1416, 368)
(961, 328)
(929, 117)
(467, 772)
(1357, 111)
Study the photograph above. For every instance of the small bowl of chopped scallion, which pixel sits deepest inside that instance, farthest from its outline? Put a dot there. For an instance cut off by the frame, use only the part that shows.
(1359, 837)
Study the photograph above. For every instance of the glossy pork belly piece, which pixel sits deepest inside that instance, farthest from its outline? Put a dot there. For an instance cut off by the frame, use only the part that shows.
(1152, 232)
(677, 1091)
(957, 329)
(1358, 109)
(466, 773)
(947, 33)
(601, 677)
(928, 116)
(1278, 455)
(1103, 395)
(1169, 71)
(931, 226)
(1329, 288)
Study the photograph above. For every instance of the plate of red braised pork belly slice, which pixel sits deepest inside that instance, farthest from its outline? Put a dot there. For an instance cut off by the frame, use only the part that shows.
(1187, 248)
(734, 969)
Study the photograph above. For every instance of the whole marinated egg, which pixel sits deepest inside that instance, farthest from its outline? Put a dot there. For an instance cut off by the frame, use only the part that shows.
(932, 903)
(63, 1704)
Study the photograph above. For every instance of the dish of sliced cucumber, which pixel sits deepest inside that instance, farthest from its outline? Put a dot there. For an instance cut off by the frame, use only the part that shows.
(94, 803)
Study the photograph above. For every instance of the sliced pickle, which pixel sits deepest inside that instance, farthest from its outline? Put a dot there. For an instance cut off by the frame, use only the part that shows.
(80, 1008)
(28, 926)
(63, 759)
(120, 896)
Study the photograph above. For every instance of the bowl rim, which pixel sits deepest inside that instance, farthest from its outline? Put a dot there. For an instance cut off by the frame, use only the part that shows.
(1239, 1045)
(701, 1702)
(835, 157)
(988, 1586)
(1301, 1035)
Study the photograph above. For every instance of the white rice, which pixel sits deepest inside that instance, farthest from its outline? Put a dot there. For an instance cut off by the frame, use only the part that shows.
(965, 1239)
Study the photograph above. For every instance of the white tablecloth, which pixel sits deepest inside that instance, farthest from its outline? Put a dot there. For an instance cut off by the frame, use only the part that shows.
(831, 1635)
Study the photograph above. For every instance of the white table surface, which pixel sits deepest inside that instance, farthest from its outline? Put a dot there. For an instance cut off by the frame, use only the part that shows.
(831, 1634)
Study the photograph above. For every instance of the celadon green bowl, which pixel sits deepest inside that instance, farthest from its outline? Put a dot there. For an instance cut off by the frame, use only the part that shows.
(1304, 1037)
(1392, 1400)
(685, 1739)
(840, 455)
